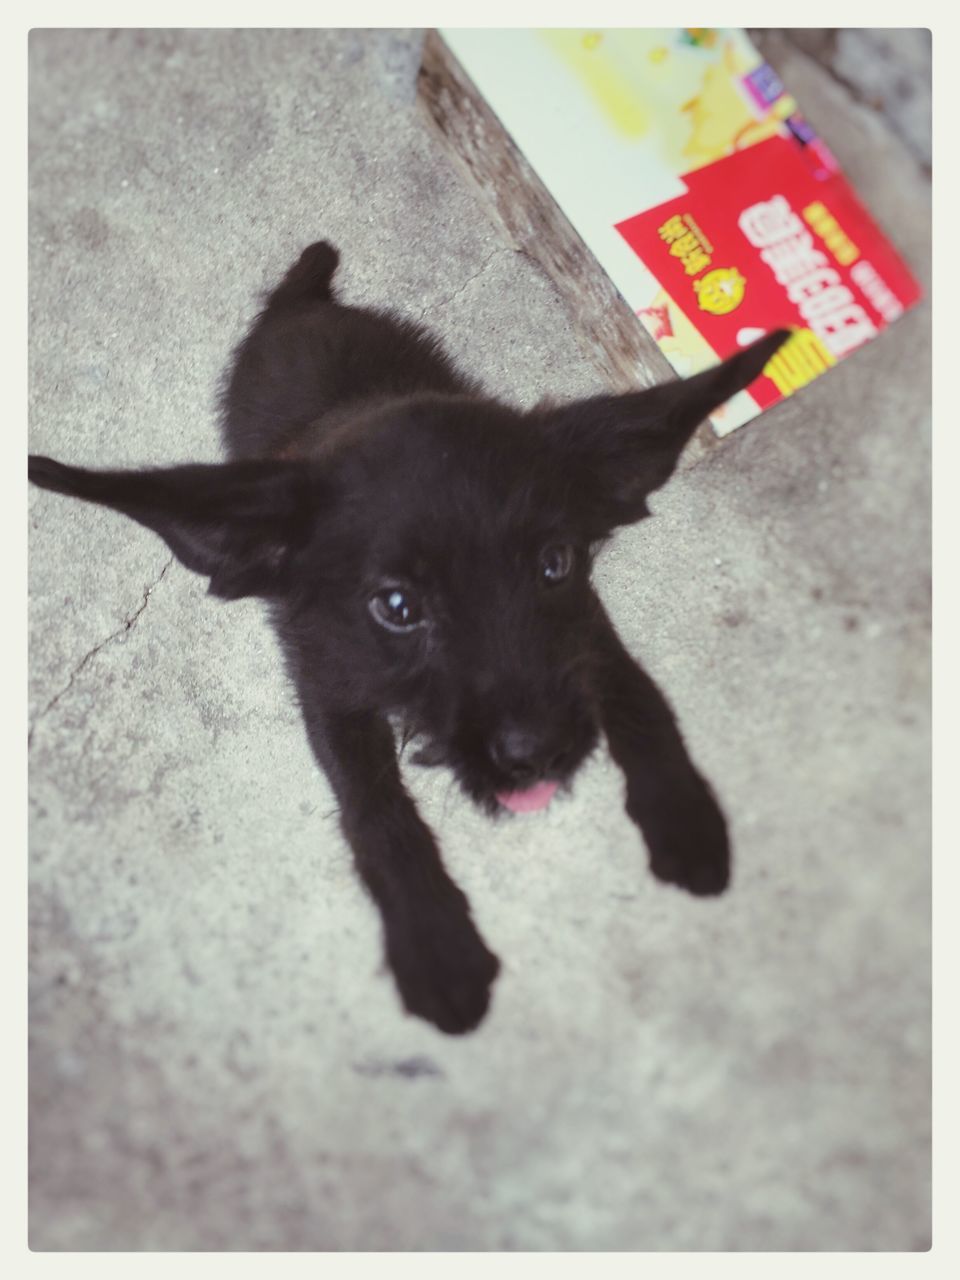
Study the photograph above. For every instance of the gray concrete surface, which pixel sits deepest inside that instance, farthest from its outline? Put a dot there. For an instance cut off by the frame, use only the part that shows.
(886, 68)
(218, 1060)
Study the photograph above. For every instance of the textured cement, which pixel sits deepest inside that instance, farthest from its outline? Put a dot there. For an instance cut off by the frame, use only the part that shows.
(218, 1060)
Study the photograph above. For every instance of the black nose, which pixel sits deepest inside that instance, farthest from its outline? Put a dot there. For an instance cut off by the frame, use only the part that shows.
(522, 753)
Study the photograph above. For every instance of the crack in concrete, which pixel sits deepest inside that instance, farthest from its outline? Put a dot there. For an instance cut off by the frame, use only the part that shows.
(127, 625)
(443, 302)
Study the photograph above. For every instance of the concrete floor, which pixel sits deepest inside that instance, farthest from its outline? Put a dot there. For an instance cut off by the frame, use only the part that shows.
(218, 1060)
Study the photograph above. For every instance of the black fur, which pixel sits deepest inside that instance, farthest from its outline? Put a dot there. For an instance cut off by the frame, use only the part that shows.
(426, 552)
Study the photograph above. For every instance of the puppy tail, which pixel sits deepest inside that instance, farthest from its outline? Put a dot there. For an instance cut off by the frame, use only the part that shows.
(309, 279)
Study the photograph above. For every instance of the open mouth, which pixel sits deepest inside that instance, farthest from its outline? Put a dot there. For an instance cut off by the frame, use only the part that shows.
(498, 794)
(530, 800)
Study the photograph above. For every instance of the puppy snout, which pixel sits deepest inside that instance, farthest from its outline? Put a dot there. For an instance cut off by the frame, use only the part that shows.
(523, 754)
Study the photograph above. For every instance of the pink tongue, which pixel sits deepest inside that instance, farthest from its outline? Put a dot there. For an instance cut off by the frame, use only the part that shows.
(529, 801)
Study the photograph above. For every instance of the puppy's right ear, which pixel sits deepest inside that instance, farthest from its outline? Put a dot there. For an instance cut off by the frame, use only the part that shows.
(240, 523)
(621, 448)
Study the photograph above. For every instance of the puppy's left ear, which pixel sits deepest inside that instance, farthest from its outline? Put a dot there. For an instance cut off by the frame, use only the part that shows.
(623, 447)
(239, 523)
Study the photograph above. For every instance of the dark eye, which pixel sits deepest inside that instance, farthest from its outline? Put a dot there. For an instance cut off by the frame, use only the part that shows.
(397, 609)
(556, 563)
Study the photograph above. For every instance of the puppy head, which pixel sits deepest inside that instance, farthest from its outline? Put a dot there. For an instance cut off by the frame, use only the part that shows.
(432, 560)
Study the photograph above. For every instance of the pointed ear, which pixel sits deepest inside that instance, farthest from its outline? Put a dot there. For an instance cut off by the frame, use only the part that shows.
(624, 447)
(240, 523)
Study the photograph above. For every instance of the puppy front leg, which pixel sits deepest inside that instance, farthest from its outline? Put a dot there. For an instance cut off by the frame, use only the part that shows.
(671, 803)
(441, 965)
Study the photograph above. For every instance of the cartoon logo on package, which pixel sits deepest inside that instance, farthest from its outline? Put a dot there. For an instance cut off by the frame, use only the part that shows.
(720, 291)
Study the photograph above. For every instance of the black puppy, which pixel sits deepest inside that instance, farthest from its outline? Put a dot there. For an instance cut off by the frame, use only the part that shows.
(426, 551)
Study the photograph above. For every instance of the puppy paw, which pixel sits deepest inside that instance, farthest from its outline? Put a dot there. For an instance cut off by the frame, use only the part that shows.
(703, 873)
(686, 835)
(443, 969)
